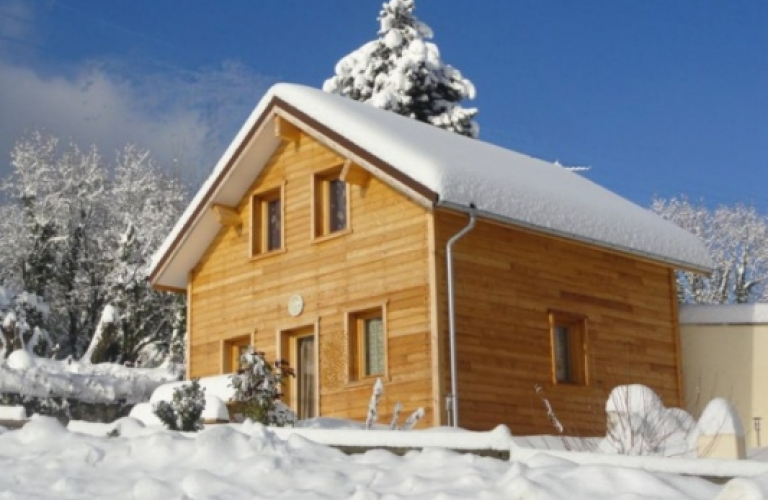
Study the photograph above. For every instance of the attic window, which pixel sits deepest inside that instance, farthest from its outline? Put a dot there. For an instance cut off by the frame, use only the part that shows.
(568, 334)
(331, 203)
(266, 222)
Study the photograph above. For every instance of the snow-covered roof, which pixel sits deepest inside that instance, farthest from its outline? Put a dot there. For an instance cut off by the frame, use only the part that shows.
(436, 168)
(724, 314)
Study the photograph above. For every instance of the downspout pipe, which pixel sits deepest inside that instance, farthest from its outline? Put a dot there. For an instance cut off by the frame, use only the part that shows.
(452, 313)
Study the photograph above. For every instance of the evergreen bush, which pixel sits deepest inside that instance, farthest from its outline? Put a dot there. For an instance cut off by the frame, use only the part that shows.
(184, 411)
(258, 388)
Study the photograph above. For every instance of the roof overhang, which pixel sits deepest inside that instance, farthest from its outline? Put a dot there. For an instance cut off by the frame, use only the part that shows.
(646, 256)
(422, 161)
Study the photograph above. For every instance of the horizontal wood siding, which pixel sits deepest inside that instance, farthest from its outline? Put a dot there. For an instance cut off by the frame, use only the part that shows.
(507, 280)
(381, 260)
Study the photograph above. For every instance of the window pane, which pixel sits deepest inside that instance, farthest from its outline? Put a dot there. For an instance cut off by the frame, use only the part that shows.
(374, 346)
(563, 369)
(273, 225)
(337, 206)
(306, 374)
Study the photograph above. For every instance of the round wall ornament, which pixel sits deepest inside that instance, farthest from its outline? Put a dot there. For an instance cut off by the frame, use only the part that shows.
(295, 305)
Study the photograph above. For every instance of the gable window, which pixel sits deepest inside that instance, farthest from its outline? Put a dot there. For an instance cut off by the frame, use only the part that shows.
(367, 343)
(266, 222)
(568, 334)
(331, 209)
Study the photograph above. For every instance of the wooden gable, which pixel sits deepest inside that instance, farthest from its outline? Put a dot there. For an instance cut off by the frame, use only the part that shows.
(380, 261)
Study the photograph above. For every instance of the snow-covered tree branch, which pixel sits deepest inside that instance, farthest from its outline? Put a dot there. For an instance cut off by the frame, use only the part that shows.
(79, 233)
(737, 239)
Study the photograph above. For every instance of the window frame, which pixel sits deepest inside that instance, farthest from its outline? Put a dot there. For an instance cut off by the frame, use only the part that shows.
(260, 225)
(321, 204)
(357, 346)
(576, 347)
(229, 347)
(287, 340)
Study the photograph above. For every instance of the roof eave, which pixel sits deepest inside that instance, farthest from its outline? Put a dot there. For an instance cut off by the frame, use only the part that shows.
(179, 236)
(667, 261)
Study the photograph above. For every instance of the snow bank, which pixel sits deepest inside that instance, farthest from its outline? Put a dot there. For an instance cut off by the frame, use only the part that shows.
(144, 413)
(215, 410)
(13, 413)
(45, 461)
(499, 439)
(704, 467)
(23, 373)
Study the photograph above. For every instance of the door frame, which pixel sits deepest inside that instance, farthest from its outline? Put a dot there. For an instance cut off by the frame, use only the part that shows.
(286, 349)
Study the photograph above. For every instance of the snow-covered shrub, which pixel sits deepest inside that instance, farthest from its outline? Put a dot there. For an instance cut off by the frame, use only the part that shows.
(639, 424)
(413, 419)
(373, 404)
(373, 411)
(184, 411)
(23, 323)
(258, 387)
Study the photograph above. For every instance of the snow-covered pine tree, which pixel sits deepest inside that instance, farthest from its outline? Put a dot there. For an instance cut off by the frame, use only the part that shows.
(258, 388)
(402, 72)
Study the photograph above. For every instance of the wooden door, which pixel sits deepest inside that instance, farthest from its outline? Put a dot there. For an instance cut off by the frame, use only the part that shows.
(299, 348)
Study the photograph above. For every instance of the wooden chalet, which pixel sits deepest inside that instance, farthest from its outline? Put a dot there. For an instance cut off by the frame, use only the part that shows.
(322, 237)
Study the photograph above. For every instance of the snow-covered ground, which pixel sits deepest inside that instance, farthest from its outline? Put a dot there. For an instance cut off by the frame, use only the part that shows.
(45, 461)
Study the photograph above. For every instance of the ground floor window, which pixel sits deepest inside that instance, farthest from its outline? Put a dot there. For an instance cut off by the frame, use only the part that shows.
(568, 335)
(367, 343)
(233, 353)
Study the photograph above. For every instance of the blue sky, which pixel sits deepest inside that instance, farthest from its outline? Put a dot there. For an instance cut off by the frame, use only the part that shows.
(659, 97)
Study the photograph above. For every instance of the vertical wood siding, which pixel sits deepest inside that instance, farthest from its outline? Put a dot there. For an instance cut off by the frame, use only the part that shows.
(506, 282)
(382, 259)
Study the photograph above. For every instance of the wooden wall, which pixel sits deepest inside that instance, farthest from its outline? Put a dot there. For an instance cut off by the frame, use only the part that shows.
(383, 258)
(506, 281)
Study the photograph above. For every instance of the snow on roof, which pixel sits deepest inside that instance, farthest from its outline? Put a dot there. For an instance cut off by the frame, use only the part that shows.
(724, 314)
(502, 184)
